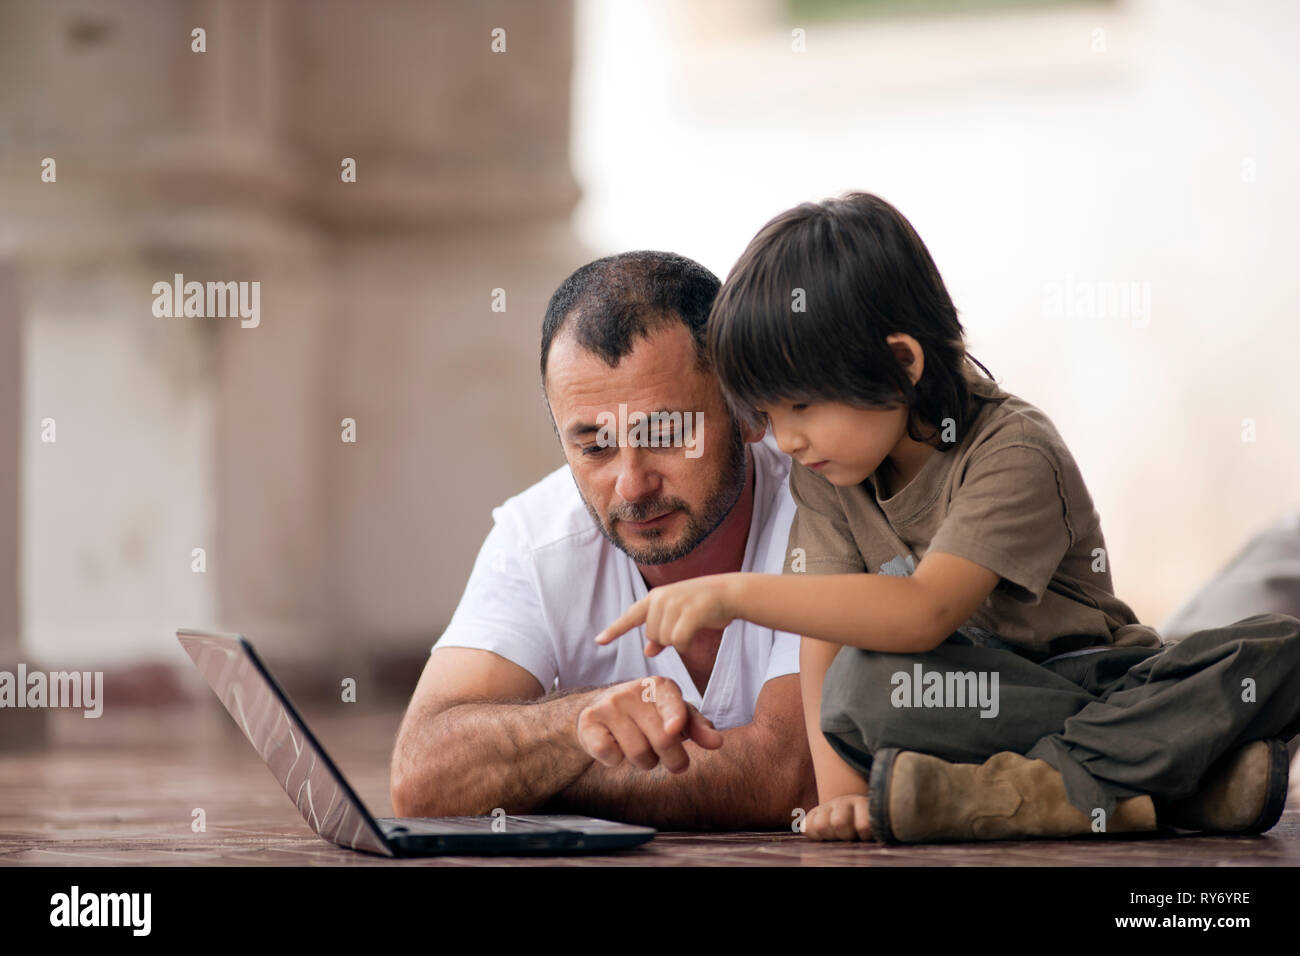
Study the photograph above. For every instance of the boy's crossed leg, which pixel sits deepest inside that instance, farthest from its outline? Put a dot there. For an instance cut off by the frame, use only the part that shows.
(1116, 723)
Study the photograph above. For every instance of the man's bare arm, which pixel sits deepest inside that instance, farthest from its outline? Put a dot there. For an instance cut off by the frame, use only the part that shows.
(479, 734)
(756, 780)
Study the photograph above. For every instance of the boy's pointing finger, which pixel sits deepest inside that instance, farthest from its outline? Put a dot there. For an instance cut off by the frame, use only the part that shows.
(632, 617)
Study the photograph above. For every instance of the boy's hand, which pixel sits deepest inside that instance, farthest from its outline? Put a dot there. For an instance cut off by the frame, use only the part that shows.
(840, 818)
(673, 613)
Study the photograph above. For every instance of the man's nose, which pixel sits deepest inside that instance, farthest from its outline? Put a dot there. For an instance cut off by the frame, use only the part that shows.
(636, 478)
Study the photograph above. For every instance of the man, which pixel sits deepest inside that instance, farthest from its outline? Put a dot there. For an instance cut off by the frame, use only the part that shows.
(518, 707)
(1263, 577)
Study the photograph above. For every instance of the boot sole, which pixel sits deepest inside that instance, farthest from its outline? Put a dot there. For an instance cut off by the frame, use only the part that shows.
(882, 770)
(1276, 784)
(1279, 772)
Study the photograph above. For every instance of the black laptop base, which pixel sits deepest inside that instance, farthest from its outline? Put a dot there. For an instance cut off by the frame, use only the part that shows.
(412, 837)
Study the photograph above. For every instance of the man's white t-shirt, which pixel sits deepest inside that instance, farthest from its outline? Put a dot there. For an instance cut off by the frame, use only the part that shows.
(547, 581)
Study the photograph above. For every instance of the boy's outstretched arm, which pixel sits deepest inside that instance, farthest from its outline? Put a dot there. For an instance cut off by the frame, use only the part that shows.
(876, 612)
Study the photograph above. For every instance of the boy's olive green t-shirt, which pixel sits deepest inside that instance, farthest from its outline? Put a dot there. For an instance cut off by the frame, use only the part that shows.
(1009, 497)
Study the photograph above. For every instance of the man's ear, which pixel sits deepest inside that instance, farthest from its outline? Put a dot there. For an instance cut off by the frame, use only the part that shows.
(550, 415)
(909, 354)
(749, 433)
(753, 433)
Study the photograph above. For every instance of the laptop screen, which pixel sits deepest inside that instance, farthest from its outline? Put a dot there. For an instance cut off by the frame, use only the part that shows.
(272, 725)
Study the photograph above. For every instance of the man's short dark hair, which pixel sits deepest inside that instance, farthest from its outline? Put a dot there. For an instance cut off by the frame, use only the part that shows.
(612, 302)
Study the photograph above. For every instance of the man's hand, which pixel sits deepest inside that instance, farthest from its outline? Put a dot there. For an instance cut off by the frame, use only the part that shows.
(840, 818)
(644, 721)
(673, 613)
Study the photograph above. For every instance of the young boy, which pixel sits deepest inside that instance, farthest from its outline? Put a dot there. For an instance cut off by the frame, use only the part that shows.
(982, 681)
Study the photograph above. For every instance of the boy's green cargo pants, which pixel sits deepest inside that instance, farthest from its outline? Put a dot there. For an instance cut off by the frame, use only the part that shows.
(1116, 722)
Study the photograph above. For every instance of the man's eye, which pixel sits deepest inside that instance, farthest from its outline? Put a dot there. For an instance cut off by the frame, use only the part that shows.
(594, 449)
(799, 406)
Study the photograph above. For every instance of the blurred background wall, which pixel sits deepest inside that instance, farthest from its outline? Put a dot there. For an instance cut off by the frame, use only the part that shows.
(1051, 154)
(376, 305)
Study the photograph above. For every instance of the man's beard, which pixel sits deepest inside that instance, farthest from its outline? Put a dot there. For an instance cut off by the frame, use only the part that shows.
(731, 483)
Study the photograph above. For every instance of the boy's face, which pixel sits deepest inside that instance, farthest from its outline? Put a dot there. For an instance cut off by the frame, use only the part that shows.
(843, 443)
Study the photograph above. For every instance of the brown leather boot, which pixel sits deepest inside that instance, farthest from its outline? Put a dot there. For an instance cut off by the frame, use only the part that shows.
(917, 798)
(1244, 792)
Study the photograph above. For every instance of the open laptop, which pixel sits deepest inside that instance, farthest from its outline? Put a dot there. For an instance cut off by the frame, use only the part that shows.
(329, 804)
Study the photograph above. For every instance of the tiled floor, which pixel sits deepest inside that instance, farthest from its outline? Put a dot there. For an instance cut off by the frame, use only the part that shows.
(122, 790)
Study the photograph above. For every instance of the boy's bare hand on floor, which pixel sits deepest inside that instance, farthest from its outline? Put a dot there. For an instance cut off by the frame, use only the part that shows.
(840, 818)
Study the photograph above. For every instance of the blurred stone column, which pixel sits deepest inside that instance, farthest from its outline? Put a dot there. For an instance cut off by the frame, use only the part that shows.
(22, 727)
(462, 187)
(376, 305)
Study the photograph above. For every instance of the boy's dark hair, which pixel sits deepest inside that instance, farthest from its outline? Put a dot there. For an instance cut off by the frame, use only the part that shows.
(864, 274)
(612, 302)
